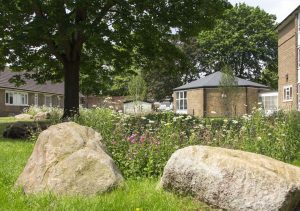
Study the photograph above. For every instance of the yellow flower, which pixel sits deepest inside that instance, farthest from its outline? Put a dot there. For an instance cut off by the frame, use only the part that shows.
(137, 209)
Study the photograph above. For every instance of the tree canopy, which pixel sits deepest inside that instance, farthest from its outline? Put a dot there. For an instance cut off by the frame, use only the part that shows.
(61, 39)
(246, 40)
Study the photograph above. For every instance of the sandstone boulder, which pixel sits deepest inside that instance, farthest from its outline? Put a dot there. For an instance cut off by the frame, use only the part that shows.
(232, 179)
(41, 116)
(69, 159)
(23, 117)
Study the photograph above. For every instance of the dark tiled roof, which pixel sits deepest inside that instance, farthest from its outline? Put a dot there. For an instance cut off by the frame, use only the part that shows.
(213, 80)
(30, 85)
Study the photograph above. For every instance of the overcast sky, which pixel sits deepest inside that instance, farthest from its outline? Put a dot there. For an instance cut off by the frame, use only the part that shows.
(280, 8)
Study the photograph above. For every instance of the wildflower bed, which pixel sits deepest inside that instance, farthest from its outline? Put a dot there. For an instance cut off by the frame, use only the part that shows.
(141, 145)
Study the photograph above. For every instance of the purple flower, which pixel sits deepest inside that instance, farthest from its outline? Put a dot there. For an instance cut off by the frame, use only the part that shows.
(131, 138)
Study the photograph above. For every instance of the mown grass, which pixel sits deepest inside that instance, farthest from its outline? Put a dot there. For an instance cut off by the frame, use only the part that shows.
(137, 195)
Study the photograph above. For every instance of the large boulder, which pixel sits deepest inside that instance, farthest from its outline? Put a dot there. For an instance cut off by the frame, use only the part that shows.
(69, 159)
(232, 179)
(23, 117)
(23, 130)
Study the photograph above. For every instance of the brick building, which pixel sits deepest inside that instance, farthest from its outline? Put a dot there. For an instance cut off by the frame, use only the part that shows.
(14, 99)
(204, 98)
(289, 62)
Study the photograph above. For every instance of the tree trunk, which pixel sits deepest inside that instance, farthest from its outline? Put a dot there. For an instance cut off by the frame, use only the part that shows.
(71, 98)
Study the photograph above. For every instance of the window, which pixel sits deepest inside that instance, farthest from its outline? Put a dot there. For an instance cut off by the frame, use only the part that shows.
(36, 100)
(269, 102)
(287, 93)
(48, 100)
(181, 101)
(298, 27)
(298, 58)
(58, 101)
(16, 98)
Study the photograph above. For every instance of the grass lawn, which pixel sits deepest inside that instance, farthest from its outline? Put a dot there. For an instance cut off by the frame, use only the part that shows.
(138, 195)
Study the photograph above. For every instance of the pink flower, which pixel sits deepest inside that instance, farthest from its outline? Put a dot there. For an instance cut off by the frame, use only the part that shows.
(131, 138)
(113, 142)
(142, 139)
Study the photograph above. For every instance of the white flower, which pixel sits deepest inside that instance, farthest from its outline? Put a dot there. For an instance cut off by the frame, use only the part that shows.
(259, 138)
(151, 121)
(235, 121)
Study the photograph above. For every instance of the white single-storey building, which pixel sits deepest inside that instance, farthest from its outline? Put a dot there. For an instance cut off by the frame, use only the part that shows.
(137, 107)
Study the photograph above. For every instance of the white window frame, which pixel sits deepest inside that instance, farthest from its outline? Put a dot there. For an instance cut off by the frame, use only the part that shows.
(181, 97)
(36, 99)
(270, 95)
(287, 96)
(298, 29)
(16, 98)
(58, 101)
(45, 100)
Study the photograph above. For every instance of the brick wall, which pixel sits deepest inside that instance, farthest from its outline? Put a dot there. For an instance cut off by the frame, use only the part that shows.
(252, 99)
(195, 102)
(10, 110)
(215, 104)
(104, 101)
(287, 63)
(208, 102)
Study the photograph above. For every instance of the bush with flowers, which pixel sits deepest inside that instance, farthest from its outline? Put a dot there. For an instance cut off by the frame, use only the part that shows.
(141, 146)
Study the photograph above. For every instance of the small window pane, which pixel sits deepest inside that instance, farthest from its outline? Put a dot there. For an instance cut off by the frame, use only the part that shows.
(11, 98)
(181, 104)
(6, 97)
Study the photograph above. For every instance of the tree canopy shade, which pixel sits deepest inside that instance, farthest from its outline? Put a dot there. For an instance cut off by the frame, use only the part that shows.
(59, 39)
(245, 39)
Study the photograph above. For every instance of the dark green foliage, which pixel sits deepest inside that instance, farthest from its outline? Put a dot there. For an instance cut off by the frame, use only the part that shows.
(244, 38)
(55, 40)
